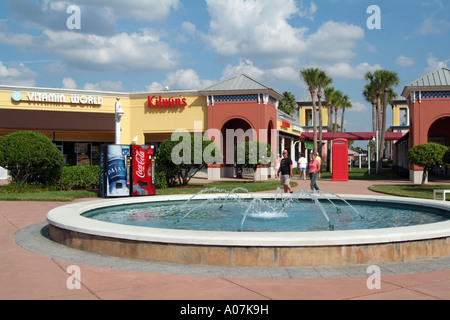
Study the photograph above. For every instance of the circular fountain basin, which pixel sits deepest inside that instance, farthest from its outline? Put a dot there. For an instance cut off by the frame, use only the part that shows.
(70, 227)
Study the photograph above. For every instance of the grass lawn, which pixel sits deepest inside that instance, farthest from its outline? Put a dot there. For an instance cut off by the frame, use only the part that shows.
(362, 174)
(228, 186)
(36, 194)
(410, 191)
(57, 196)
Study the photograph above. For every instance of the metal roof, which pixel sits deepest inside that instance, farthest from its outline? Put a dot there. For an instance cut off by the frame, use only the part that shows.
(437, 78)
(239, 83)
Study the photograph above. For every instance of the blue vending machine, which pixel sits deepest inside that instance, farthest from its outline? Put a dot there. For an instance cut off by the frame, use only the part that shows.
(115, 173)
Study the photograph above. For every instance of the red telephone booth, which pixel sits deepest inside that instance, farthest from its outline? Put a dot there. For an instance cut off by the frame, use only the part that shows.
(340, 160)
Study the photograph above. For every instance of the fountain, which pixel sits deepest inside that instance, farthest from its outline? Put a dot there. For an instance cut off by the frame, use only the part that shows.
(239, 228)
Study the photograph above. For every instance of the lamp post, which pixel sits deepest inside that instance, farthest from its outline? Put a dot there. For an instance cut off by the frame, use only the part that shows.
(369, 154)
(119, 115)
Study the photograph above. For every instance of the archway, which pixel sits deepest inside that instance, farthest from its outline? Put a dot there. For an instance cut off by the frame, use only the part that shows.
(237, 130)
(439, 131)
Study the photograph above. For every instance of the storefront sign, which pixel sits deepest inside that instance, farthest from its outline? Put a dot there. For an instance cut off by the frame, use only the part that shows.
(286, 124)
(58, 98)
(160, 102)
(309, 145)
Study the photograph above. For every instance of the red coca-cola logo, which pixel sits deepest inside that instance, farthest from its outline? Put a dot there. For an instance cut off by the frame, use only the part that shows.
(140, 161)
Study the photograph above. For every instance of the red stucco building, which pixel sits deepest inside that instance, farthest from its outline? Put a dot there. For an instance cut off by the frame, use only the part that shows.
(429, 109)
(241, 103)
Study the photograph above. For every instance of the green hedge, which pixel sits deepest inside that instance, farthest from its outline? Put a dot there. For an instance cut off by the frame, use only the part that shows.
(30, 157)
(80, 178)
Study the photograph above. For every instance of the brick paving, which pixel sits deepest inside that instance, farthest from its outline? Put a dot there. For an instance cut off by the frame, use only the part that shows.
(27, 274)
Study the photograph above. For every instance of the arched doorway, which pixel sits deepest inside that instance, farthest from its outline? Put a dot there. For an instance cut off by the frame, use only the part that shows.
(234, 131)
(439, 131)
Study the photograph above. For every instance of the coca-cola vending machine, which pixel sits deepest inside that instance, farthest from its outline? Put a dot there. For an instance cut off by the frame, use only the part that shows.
(143, 168)
(127, 171)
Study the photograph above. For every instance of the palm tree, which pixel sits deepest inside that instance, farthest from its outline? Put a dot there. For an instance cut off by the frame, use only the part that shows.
(338, 96)
(288, 104)
(345, 104)
(371, 96)
(324, 82)
(311, 77)
(381, 82)
(330, 98)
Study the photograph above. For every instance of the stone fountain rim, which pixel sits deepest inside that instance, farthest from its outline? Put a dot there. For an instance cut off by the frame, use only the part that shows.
(69, 217)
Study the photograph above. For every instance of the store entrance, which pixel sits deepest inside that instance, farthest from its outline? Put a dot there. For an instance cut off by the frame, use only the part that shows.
(80, 153)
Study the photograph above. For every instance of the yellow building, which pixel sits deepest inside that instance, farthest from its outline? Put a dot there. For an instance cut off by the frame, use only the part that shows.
(288, 133)
(400, 113)
(305, 114)
(80, 121)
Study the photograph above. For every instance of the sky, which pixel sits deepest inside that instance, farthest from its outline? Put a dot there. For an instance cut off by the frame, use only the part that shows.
(148, 45)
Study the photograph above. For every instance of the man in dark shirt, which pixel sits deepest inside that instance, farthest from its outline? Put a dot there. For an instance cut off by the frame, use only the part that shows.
(285, 172)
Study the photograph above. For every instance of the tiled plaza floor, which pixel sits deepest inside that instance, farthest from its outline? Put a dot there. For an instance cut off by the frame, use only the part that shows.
(42, 273)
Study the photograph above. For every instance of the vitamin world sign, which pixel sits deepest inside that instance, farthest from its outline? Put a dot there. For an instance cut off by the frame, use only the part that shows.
(160, 102)
(51, 97)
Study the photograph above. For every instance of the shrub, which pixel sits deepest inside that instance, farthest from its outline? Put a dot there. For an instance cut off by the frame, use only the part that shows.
(161, 181)
(446, 157)
(31, 157)
(427, 156)
(80, 178)
(181, 159)
(251, 154)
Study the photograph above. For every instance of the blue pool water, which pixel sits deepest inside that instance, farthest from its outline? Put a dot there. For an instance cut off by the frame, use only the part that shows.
(268, 215)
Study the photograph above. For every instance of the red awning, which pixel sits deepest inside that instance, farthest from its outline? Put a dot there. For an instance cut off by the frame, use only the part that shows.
(390, 136)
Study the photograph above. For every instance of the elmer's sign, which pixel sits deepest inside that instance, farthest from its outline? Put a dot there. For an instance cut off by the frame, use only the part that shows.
(160, 102)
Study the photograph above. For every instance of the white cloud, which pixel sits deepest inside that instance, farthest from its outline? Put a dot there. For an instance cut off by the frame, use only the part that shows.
(105, 86)
(267, 76)
(245, 66)
(403, 61)
(434, 64)
(69, 83)
(189, 28)
(17, 74)
(285, 74)
(155, 87)
(308, 12)
(261, 29)
(181, 80)
(139, 51)
(253, 27)
(345, 70)
(433, 25)
(334, 41)
(143, 10)
(359, 107)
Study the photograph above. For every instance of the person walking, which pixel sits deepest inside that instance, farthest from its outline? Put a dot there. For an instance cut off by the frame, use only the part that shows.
(314, 168)
(285, 172)
(278, 163)
(302, 165)
(320, 165)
